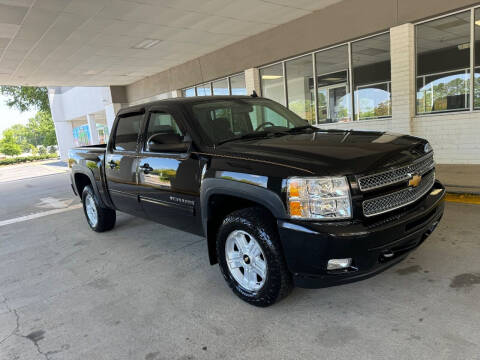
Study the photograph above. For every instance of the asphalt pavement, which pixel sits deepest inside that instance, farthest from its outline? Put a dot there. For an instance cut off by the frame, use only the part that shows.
(144, 291)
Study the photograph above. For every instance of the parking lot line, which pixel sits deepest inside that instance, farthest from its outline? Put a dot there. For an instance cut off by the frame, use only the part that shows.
(38, 215)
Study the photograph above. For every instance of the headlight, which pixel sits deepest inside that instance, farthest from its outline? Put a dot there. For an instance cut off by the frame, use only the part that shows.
(319, 198)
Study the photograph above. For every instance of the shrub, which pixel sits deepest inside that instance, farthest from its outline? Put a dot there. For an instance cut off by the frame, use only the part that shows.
(22, 159)
(42, 150)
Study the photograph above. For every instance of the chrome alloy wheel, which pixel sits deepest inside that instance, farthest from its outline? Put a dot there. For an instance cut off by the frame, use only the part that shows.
(245, 260)
(91, 210)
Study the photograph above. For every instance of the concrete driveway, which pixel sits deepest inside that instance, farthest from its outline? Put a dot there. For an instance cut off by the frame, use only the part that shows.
(144, 291)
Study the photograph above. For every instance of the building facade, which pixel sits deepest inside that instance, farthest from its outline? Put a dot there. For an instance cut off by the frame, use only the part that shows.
(401, 66)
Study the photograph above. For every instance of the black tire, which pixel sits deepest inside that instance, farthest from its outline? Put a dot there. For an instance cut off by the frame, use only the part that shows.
(260, 224)
(105, 217)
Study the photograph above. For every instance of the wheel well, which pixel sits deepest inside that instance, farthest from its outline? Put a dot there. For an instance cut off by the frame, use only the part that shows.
(220, 206)
(81, 180)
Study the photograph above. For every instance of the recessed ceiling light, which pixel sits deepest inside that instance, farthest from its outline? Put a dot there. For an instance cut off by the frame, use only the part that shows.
(271, 77)
(146, 44)
(477, 22)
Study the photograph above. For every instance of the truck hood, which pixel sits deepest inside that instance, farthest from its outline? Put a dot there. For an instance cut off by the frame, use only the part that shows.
(330, 152)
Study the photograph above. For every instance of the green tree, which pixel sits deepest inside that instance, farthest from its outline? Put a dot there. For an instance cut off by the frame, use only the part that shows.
(41, 130)
(8, 145)
(26, 98)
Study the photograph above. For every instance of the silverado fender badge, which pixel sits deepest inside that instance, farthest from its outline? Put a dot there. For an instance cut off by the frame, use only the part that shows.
(415, 180)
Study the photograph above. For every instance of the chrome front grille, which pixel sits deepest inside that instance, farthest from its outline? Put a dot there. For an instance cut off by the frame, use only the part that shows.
(398, 199)
(375, 181)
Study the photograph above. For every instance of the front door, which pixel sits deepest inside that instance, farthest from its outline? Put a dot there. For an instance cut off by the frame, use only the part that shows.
(121, 162)
(169, 182)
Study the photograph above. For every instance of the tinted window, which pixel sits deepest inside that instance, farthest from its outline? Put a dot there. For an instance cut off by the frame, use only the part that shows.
(126, 134)
(227, 119)
(162, 123)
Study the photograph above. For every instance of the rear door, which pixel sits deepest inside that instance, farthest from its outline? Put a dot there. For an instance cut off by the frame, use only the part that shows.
(121, 163)
(169, 182)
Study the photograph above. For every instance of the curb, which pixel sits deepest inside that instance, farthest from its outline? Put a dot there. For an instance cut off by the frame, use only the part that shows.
(464, 198)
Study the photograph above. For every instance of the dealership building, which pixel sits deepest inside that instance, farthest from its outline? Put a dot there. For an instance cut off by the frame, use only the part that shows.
(402, 66)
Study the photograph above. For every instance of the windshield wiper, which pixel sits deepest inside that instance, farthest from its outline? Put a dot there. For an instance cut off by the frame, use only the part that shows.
(246, 136)
(301, 128)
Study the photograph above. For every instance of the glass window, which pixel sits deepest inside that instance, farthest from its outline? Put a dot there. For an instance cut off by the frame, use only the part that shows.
(126, 134)
(188, 92)
(204, 90)
(371, 77)
(162, 123)
(232, 119)
(81, 135)
(443, 61)
(334, 104)
(477, 61)
(301, 96)
(272, 83)
(220, 87)
(237, 85)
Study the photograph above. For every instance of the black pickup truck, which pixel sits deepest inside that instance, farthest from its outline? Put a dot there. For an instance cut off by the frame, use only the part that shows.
(280, 202)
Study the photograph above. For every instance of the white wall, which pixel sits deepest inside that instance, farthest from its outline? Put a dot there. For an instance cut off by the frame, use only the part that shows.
(454, 137)
(80, 101)
(68, 104)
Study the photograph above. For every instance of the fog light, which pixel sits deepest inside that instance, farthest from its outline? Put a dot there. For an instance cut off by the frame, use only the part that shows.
(336, 264)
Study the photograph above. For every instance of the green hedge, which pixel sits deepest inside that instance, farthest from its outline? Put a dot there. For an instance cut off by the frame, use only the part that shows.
(22, 159)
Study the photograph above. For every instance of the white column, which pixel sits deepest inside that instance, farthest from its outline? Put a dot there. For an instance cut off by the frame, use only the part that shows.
(111, 111)
(64, 132)
(92, 129)
(252, 81)
(402, 53)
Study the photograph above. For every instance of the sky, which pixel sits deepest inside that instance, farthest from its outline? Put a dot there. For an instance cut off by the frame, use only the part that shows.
(9, 117)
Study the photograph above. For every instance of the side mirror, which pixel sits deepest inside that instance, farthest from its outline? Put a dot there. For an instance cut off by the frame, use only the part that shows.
(166, 142)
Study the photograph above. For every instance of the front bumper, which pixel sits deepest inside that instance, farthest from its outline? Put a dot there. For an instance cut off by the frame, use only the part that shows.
(373, 246)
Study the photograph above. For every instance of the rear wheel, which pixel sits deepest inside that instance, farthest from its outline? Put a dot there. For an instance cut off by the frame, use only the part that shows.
(251, 259)
(99, 219)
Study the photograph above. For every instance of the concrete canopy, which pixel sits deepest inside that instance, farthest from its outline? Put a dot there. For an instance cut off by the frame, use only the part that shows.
(115, 42)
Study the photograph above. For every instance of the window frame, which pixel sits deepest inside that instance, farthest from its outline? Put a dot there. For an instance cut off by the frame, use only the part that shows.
(144, 131)
(471, 68)
(351, 102)
(111, 144)
(210, 84)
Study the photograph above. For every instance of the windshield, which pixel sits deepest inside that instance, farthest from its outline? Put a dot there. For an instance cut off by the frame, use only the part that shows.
(225, 120)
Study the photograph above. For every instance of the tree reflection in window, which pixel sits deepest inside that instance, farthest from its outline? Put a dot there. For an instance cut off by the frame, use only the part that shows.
(443, 92)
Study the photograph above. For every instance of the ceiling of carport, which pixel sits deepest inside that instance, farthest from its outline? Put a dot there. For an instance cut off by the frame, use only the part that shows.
(93, 42)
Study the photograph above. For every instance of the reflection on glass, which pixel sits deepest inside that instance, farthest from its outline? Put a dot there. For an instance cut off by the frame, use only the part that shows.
(443, 92)
(204, 90)
(301, 96)
(220, 87)
(476, 83)
(333, 85)
(188, 92)
(237, 84)
(373, 101)
(371, 76)
(443, 61)
(272, 83)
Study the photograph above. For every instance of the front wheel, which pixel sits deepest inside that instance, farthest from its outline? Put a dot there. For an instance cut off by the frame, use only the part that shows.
(251, 259)
(99, 219)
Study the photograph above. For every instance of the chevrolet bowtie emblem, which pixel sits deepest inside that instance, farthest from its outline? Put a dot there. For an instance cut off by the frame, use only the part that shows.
(415, 180)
